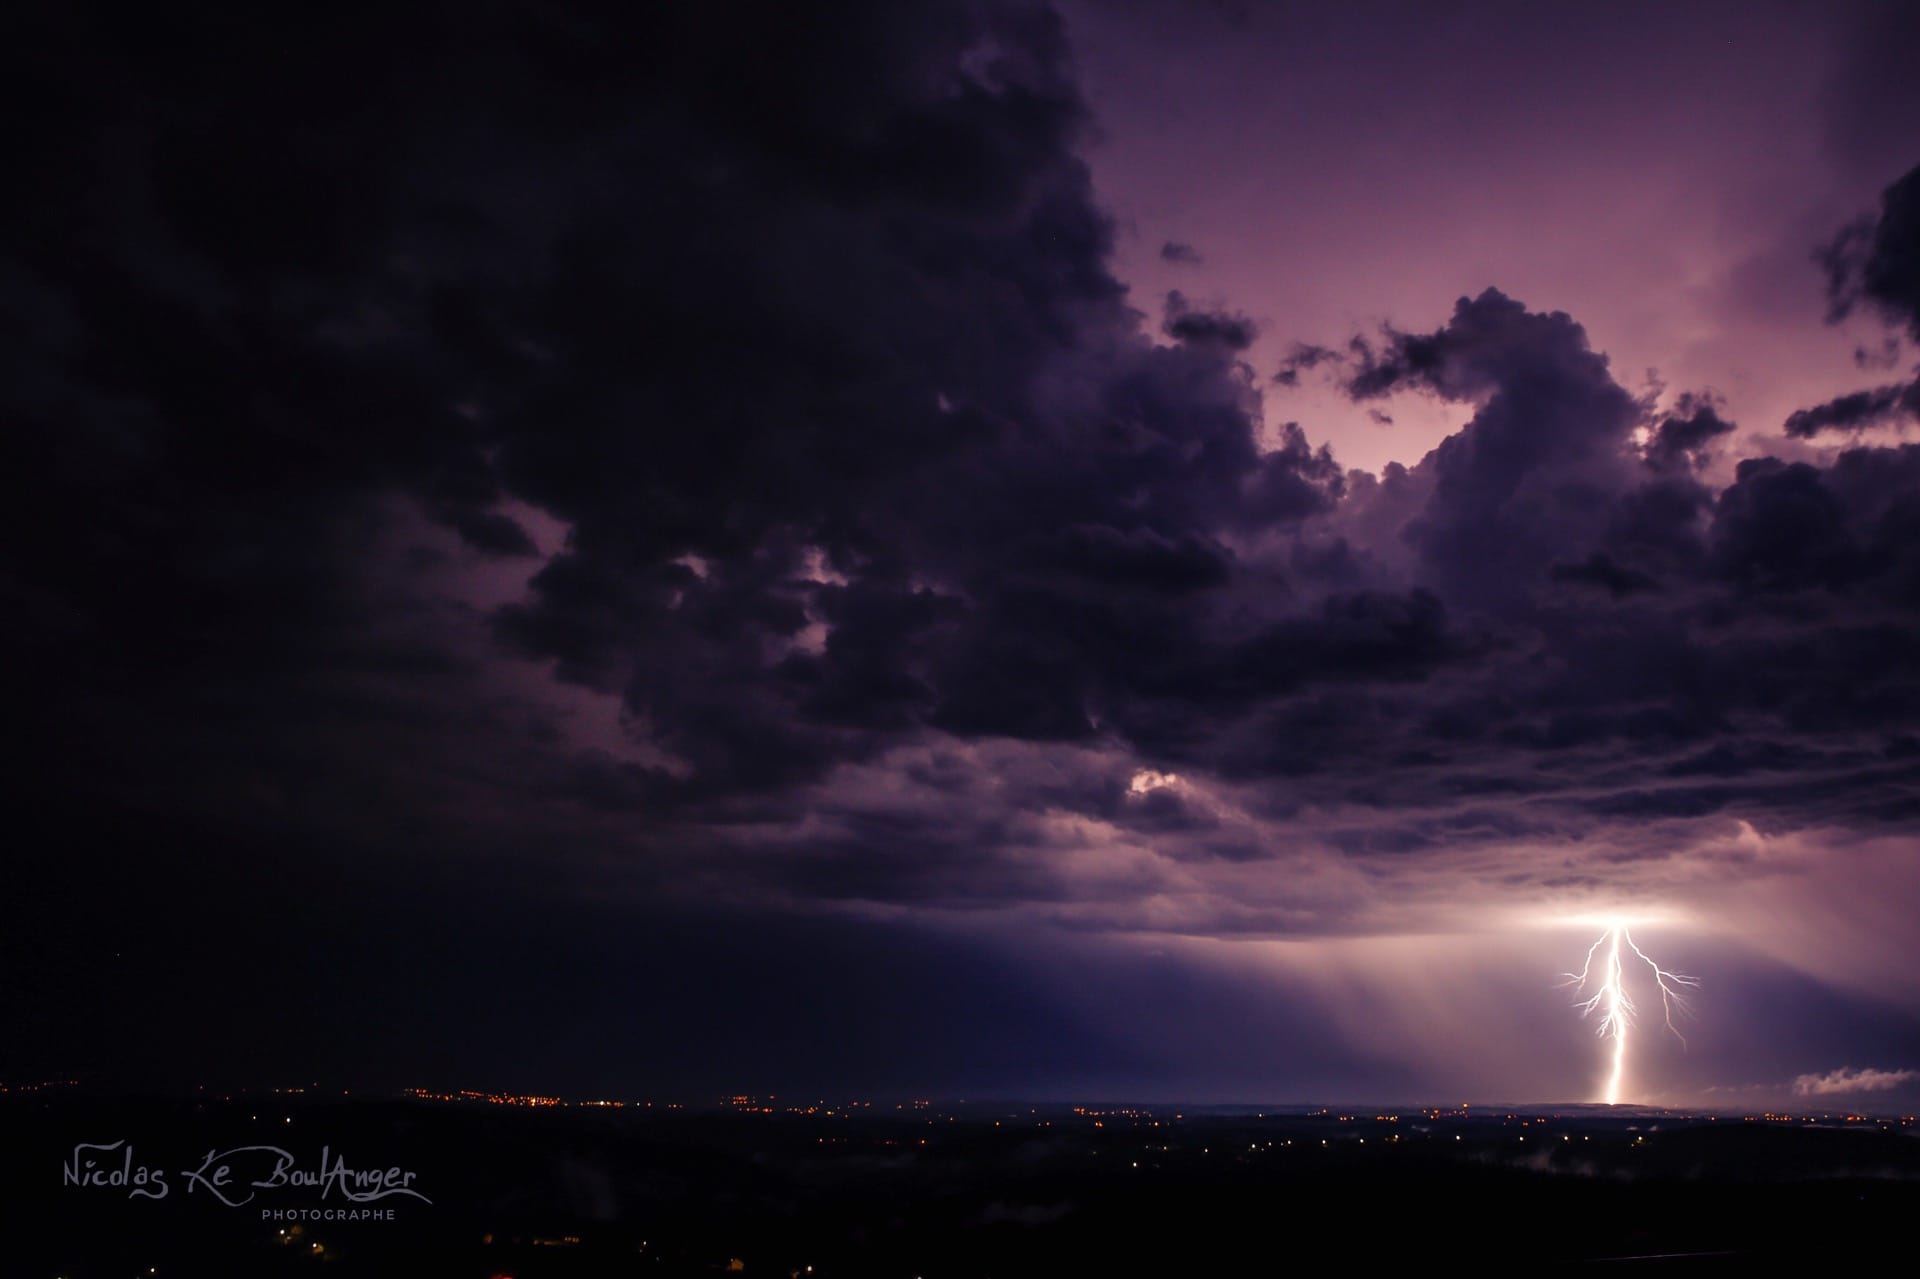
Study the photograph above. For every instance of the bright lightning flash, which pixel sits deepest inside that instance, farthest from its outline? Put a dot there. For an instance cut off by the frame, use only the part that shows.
(1603, 980)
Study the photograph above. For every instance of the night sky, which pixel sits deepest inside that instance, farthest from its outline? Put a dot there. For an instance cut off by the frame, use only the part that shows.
(1138, 551)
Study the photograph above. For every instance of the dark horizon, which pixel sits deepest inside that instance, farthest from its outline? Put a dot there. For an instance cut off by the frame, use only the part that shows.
(322, 1096)
(547, 1194)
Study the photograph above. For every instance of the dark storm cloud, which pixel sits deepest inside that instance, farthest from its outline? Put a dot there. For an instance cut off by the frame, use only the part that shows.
(905, 565)
(1877, 261)
(1857, 410)
(1555, 520)
(1304, 356)
(1599, 569)
(802, 331)
(1186, 323)
(1682, 438)
(1535, 470)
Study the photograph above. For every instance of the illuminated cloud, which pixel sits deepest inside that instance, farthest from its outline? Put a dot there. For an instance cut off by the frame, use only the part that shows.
(1847, 1080)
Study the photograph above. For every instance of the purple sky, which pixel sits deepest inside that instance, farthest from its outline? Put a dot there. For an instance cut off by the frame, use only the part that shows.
(1144, 550)
(1656, 170)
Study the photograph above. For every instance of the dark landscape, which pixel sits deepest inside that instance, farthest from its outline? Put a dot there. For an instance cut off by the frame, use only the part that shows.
(534, 1187)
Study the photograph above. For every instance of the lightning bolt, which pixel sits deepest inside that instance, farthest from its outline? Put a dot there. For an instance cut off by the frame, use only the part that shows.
(1605, 986)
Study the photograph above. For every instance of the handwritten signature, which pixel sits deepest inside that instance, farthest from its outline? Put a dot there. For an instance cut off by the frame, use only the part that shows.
(236, 1176)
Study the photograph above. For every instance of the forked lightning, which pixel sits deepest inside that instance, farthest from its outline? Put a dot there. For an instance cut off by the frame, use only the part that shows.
(1609, 996)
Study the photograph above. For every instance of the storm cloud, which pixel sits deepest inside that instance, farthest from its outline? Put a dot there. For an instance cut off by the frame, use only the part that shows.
(715, 463)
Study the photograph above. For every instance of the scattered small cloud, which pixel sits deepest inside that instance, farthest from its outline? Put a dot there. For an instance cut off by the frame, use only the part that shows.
(1848, 1080)
(1304, 356)
(1196, 327)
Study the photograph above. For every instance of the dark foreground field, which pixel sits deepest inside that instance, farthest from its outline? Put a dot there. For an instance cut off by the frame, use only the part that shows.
(982, 1189)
